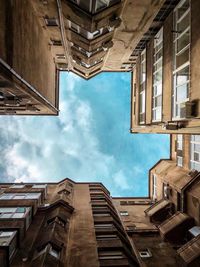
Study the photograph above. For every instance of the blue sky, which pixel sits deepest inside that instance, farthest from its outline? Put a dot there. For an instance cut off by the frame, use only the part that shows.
(89, 141)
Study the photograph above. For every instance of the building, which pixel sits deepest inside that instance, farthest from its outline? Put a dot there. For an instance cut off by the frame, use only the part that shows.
(80, 224)
(165, 93)
(28, 75)
(41, 37)
(61, 224)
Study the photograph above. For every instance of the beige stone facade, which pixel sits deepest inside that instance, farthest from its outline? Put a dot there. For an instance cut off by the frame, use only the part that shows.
(41, 37)
(165, 93)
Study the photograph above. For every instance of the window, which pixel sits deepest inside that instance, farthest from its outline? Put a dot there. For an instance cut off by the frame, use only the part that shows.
(17, 186)
(158, 76)
(145, 253)
(54, 252)
(110, 255)
(51, 22)
(124, 213)
(195, 152)
(154, 187)
(101, 4)
(181, 44)
(9, 239)
(6, 234)
(8, 196)
(14, 213)
(39, 186)
(86, 34)
(142, 89)
(179, 150)
(94, 6)
(82, 63)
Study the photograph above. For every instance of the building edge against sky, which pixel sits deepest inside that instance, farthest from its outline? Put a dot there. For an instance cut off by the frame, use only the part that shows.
(77, 224)
(67, 35)
(165, 85)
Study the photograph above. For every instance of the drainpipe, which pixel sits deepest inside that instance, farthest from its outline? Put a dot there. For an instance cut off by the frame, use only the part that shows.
(33, 90)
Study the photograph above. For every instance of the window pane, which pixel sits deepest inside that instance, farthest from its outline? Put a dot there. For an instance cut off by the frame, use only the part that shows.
(18, 215)
(19, 197)
(183, 8)
(184, 23)
(6, 196)
(182, 93)
(6, 215)
(182, 76)
(7, 210)
(6, 234)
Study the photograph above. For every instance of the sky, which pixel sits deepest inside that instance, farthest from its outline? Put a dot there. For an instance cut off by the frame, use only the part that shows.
(89, 141)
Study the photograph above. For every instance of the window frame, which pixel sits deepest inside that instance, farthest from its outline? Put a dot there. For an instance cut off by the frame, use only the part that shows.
(142, 87)
(193, 142)
(158, 47)
(176, 104)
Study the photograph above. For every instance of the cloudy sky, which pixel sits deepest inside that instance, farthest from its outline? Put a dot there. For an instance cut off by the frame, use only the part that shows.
(89, 141)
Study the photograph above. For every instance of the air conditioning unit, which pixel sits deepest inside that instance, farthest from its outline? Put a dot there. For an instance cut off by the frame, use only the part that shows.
(107, 45)
(187, 110)
(170, 126)
(115, 22)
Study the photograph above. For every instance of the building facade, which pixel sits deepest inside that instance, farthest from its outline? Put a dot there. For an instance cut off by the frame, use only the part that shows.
(62, 224)
(39, 38)
(165, 93)
(80, 224)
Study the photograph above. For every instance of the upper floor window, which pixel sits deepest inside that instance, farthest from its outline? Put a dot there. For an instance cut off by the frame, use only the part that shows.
(9, 239)
(124, 213)
(93, 6)
(158, 76)
(14, 212)
(154, 187)
(88, 35)
(17, 186)
(179, 150)
(181, 44)
(20, 196)
(142, 88)
(195, 152)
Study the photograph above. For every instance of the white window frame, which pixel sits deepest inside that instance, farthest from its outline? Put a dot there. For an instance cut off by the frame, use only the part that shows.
(12, 196)
(177, 36)
(179, 140)
(158, 47)
(142, 94)
(17, 186)
(154, 187)
(193, 142)
(14, 212)
(124, 213)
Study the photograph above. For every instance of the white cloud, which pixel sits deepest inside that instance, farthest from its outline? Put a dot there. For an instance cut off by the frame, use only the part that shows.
(120, 180)
(53, 148)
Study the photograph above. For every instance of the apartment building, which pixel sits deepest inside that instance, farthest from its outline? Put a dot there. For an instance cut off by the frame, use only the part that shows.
(80, 224)
(61, 224)
(165, 91)
(39, 38)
